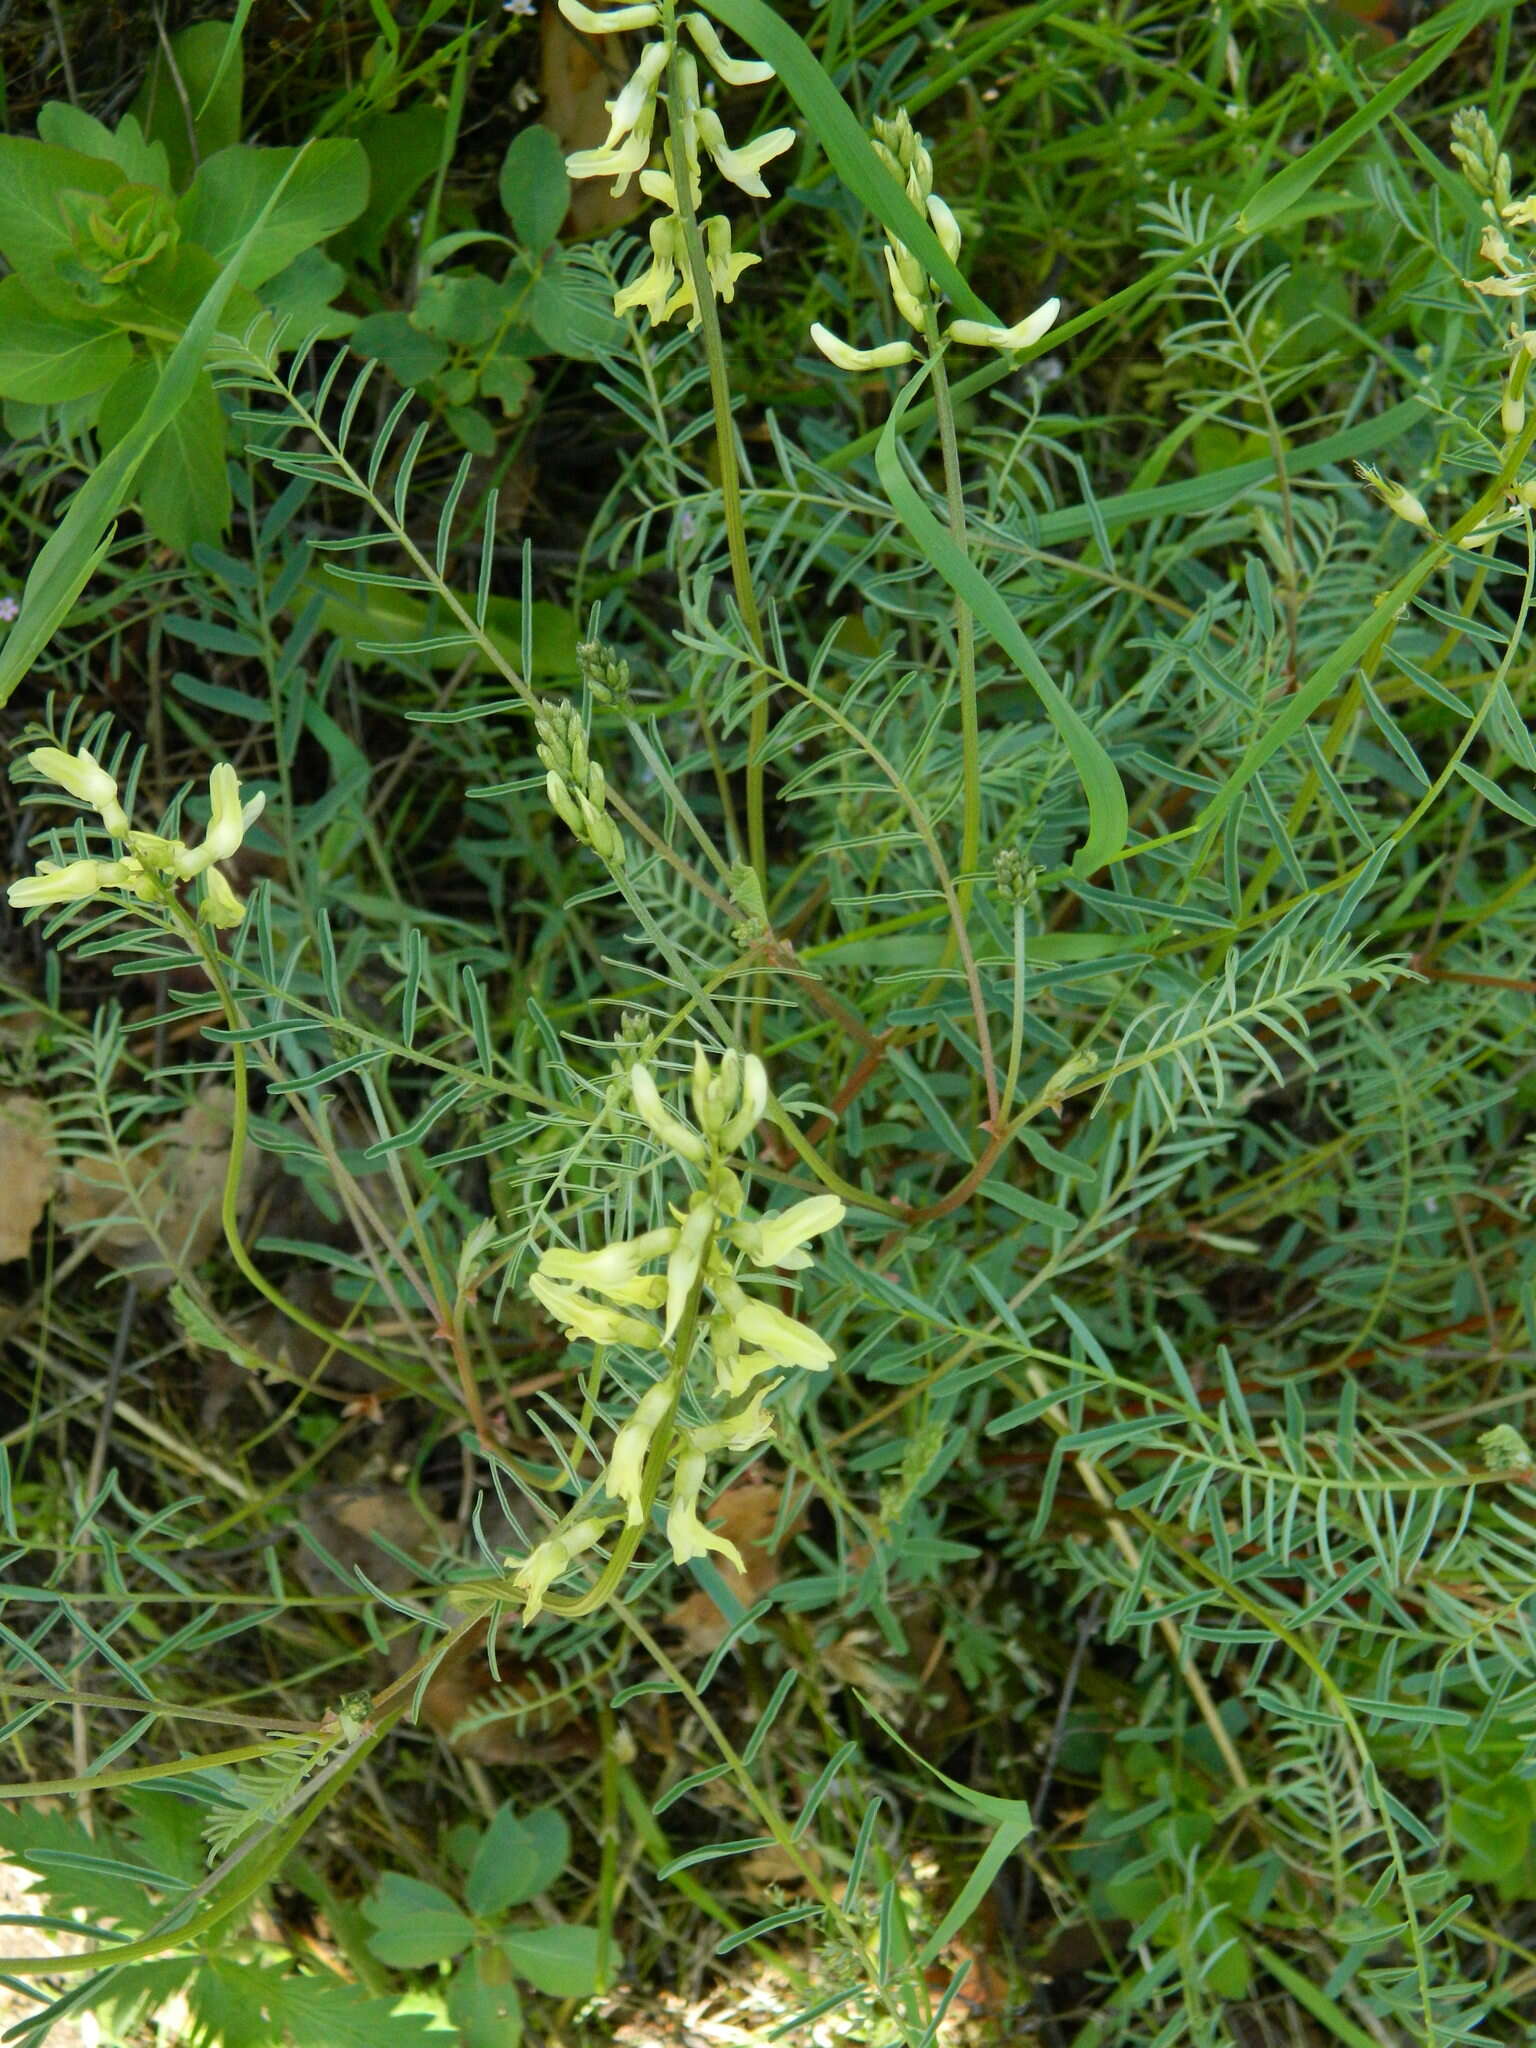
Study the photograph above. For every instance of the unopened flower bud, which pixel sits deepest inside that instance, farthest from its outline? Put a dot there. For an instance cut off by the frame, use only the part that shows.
(669, 1129)
(887, 357)
(1397, 499)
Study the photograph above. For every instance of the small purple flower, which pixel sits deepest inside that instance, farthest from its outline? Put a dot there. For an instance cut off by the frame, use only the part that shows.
(9, 608)
(524, 8)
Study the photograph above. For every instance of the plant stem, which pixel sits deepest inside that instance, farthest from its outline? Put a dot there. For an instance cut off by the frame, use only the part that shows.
(965, 624)
(725, 454)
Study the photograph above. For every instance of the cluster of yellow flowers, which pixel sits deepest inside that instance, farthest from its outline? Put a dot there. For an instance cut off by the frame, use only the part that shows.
(150, 866)
(678, 1290)
(665, 289)
(901, 149)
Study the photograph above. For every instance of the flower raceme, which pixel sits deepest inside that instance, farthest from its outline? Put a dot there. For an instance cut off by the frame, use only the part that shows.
(728, 1348)
(667, 287)
(916, 297)
(151, 866)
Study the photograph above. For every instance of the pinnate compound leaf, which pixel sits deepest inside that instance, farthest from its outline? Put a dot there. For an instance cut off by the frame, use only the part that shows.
(520, 1855)
(417, 1924)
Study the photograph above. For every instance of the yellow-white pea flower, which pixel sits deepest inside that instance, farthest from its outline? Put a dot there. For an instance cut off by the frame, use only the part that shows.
(625, 1476)
(551, 1559)
(753, 1103)
(83, 776)
(220, 906)
(731, 70)
(909, 285)
(73, 882)
(744, 166)
(579, 1317)
(687, 1261)
(614, 22)
(777, 1240)
(669, 1129)
(228, 824)
(685, 1532)
(945, 226)
(889, 356)
(613, 1268)
(1023, 334)
(778, 1336)
(753, 1425)
(654, 287)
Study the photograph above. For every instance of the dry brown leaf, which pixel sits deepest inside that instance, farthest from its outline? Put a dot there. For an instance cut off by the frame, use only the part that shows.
(535, 1728)
(746, 1514)
(29, 1171)
(577, 75)
(347, 1519)
(159, 1209)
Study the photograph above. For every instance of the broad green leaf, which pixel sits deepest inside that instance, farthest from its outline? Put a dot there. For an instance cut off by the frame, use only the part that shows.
(323, 186)
(208, 83)
(534, 188)
(300, 299)
(472, 428)
(46, 358)
(462, 309)
(183, 486)
(76, 547)
(520, 1855)
(416, 1923)
(403, 151)
(410, 356)
(140, 161)
(34, 176)
(1108, 815)
(508, 380)
(487, 2015)
(560, 1961)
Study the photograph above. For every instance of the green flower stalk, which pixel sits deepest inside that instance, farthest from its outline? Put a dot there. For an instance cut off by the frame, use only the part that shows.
(693, 266)
(152, 868)
(726, 1348)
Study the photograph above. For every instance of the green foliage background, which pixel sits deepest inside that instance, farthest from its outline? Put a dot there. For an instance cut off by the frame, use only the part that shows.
(1142, 1650)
